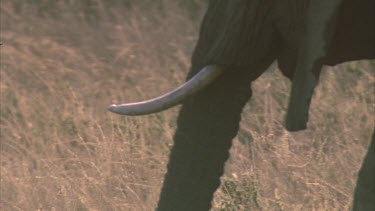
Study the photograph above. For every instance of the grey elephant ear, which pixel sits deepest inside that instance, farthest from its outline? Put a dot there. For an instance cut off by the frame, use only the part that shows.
(319, 29)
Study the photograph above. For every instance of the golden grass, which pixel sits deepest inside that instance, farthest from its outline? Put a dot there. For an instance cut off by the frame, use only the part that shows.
(61, 149)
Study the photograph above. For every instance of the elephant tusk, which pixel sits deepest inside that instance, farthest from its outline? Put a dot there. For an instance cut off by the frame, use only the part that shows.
(203, 78)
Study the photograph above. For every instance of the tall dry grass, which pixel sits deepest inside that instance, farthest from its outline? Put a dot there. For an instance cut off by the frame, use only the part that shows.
(64, 62)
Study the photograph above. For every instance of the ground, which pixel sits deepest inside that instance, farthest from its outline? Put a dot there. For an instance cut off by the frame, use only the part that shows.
(63, 63)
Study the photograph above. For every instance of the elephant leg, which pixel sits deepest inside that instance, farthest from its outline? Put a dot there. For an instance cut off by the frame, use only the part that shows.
(206, 125)
(364, 196)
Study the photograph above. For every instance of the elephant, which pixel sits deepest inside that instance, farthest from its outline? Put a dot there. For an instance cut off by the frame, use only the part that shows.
(238, 40)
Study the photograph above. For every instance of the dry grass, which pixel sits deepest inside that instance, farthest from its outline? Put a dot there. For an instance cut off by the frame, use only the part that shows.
(63, 63)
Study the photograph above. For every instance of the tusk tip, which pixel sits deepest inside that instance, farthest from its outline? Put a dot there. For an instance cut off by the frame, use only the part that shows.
(112, 108)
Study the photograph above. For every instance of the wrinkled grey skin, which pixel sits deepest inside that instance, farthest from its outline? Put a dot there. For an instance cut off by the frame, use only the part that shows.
(364, 197)
(245, 37)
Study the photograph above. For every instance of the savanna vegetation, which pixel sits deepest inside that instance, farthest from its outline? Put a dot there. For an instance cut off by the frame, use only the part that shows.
(63, 62)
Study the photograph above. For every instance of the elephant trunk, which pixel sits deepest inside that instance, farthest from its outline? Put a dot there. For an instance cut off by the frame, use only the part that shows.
(320, 25)
(207, 123)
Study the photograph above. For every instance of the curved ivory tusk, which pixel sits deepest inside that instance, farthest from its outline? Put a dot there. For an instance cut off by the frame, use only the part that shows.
(206, 76)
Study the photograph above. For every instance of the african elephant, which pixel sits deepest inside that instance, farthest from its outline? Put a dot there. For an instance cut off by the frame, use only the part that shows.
(238, 40)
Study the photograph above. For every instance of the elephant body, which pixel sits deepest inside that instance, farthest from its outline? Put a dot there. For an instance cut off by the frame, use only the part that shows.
(246, 36)
(243, 33)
